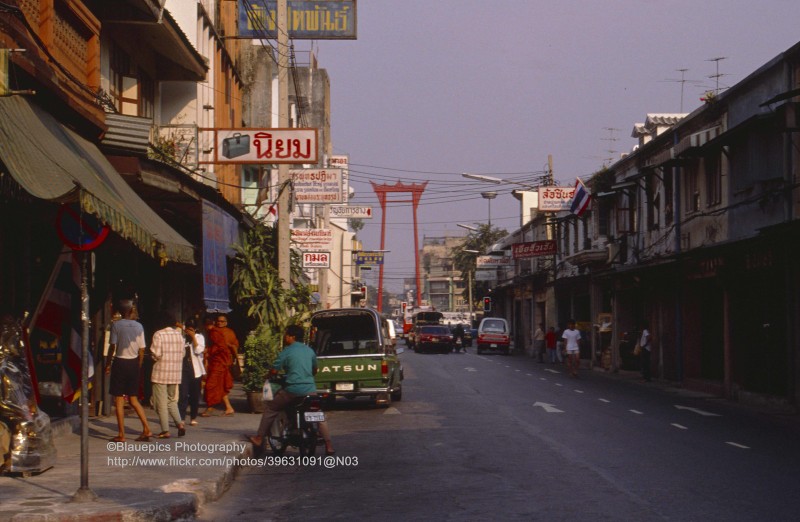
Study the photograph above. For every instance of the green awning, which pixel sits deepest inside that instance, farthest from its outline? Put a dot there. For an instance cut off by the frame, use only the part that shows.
(52, 162)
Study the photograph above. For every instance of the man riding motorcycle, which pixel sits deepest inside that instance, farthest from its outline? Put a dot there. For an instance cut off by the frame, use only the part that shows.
(299, 362)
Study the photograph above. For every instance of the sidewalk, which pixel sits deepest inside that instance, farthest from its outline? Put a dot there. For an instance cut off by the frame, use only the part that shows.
(165, 479)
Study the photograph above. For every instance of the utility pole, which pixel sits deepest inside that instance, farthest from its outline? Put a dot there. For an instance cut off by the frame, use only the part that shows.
(285, 191)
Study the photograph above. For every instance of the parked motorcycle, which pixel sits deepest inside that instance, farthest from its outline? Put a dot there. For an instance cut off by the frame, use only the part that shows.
(297, 426)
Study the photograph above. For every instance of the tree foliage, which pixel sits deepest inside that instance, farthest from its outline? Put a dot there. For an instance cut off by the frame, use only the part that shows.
(464, 261)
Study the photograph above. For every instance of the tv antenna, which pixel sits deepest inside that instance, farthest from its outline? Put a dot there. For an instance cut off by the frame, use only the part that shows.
(683, 81)
(716, 76)
(611, 139)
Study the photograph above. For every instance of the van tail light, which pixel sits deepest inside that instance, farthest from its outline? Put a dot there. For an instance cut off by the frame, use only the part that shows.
(384, 368)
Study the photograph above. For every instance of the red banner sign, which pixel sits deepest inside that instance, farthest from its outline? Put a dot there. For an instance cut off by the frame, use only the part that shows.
(533, 249)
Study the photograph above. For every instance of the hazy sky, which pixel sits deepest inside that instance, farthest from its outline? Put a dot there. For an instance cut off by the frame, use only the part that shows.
(432, 89)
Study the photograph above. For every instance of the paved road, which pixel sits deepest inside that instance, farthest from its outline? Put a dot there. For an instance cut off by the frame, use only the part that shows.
(488, 437)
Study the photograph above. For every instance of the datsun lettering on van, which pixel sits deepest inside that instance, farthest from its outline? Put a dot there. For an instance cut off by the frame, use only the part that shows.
(355, 355)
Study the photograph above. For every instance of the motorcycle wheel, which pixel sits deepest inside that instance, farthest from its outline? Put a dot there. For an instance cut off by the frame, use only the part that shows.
(308, 442)
(276, 438)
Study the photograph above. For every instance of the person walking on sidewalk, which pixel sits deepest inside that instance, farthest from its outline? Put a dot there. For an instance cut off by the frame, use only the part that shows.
(572, 336)
(223, 347)
(645, 343)
(168, 349)
(538, 343)
(550, 345)
(192, 372)
(125, 355)
(299, 362)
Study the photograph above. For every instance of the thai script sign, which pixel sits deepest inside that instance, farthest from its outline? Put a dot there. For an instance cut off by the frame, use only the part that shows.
(343, 211)
(368, 258)
(342, 162)
(307, 19)
(316, 259)
(265, 146)
(533, 249)
(317, 185)
(312, 239)
(493, 261)
(555, 199)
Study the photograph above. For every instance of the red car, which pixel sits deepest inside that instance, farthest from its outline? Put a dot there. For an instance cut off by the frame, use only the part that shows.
(493, 334)
(434, 338)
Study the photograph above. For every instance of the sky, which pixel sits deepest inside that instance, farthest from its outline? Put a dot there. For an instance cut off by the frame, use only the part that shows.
(431, 90)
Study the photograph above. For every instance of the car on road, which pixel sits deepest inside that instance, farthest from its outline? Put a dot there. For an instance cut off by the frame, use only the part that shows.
(494, 334)
(434, 338)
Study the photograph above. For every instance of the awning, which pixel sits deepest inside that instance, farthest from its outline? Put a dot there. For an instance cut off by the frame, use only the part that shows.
(52, 162)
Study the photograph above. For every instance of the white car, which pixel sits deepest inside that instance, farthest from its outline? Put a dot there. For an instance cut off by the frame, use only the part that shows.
(494, 334)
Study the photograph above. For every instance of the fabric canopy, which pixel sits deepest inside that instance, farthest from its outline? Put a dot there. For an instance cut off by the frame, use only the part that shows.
(52, 162)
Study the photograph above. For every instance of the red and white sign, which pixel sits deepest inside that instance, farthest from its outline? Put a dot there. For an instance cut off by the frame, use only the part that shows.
(317, 185)
(555, 199)
(316, 259)
(344, 211)
(312, 239)
(533, 249)
(493, 261)
(265, 146)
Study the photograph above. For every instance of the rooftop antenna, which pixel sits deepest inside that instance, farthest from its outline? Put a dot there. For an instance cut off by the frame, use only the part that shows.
(716, 76)
(683, 81)
(611, 139)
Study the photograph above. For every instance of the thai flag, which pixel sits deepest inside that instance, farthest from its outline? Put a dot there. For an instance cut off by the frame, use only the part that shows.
(56, 327)
(581, 199)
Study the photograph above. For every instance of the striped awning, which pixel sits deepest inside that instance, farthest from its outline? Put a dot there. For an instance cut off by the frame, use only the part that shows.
(697, 140)
(52, 162)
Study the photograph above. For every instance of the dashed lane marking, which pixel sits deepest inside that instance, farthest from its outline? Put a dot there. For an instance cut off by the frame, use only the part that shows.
(637, 412)
(578, 391)
(680, 427)
(604, 400)
(737, 445)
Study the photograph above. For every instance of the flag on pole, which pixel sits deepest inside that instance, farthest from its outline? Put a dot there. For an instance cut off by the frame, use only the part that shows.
(55, 328)
(581, 199)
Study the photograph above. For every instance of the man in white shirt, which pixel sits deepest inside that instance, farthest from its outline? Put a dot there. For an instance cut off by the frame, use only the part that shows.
(572, 337)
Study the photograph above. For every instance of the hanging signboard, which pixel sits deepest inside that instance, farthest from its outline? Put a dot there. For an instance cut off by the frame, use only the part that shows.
(271, 146)
(485, 275)
(533, 249)
(344, 211)
(306, 19)
(316, 259)
(493, 261)
(317, 185)
(342, 162)
(312, 239)
(368, 258)
(555, 199)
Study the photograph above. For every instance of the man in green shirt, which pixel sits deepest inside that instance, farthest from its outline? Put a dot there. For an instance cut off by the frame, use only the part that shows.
(299, 363)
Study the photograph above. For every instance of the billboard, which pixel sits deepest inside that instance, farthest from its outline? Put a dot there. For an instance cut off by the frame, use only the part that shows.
(312, 239)
(306, 19)
(317, 185)
(264, 146)
(344, 211)
(555, 199)
(368, 258)
(533, 249)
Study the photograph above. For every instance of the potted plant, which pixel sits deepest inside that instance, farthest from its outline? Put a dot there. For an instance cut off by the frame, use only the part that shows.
(261, 348)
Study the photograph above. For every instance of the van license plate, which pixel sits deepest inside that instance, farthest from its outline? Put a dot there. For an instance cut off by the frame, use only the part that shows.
(345, 386)
(315, 416)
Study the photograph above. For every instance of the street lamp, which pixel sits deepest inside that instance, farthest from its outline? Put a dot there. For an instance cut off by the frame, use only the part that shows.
(490, 196)
(470, 228)
(469, 286)
(498, 181)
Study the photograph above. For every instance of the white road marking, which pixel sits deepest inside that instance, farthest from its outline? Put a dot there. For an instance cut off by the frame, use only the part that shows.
(528, 374)
(559, 384)
(578, 391)
(551, 371)
(549, 408)
(679, 426)
(469, 369)
(542, 379)
(391, 410)
(697, 411)
(604, 400)
(517, 370)
(736, 445)
(637, 412)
